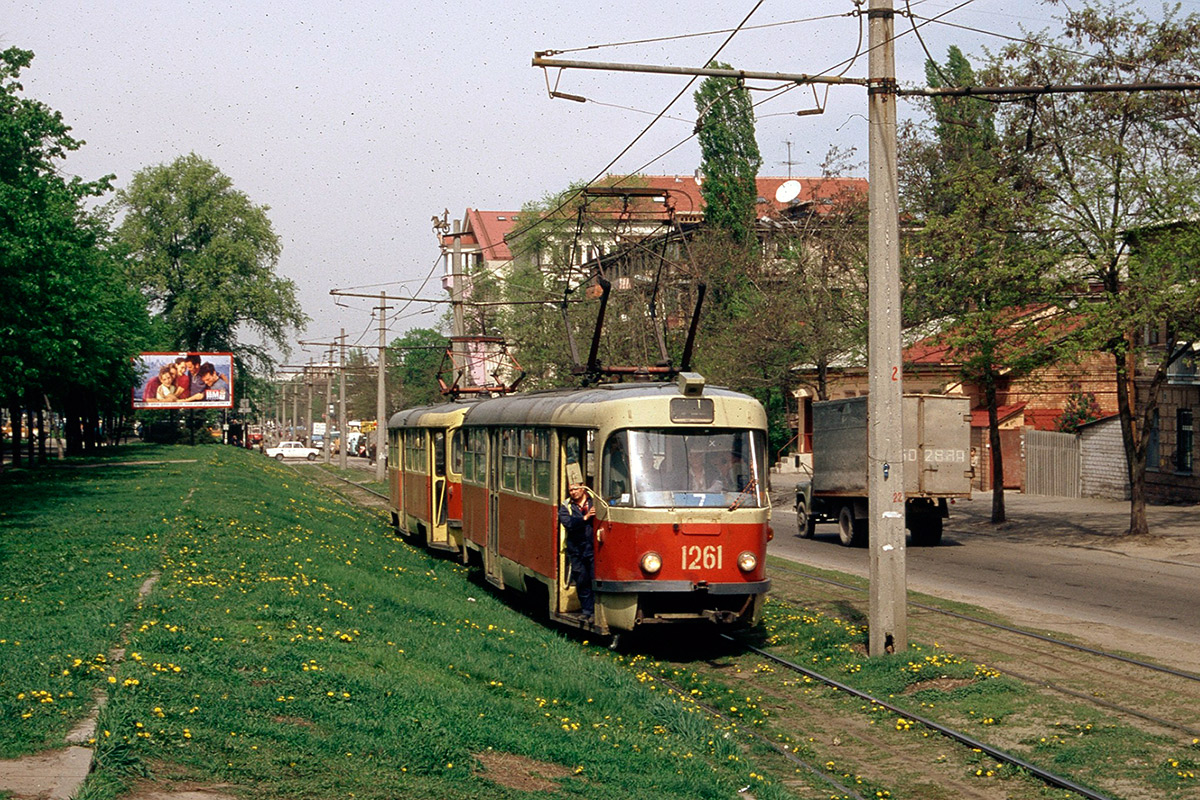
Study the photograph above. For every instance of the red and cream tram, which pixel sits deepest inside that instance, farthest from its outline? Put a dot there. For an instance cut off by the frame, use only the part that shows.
(425, 474)
(678, 473)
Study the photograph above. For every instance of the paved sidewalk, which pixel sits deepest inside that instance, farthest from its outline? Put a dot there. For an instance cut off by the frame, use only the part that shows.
(1082, 522)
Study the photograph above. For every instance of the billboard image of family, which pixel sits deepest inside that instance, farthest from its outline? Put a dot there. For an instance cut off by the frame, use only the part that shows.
(184, 380)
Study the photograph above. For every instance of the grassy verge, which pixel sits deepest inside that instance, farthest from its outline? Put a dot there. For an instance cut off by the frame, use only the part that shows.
(293, 647)
(364, 478)
(1073, 739)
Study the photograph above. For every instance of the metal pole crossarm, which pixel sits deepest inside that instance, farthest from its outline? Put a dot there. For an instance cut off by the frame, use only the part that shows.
(1078, 88)
(540, 60)
(554, 303)
(340, 293)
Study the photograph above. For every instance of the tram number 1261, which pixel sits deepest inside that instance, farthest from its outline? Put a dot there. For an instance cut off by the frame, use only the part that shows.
(697, 557)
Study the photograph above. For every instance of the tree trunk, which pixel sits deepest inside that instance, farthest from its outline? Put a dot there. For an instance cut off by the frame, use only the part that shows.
(72, 425)
(1138, 525)
(14, 414)
(41, 439)
(998, 514)
(30, 438)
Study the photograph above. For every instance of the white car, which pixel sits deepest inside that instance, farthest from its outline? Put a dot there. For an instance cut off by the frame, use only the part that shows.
(292, 450)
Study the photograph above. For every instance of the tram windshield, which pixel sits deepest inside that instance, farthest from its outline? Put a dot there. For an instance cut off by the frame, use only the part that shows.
(681, 468)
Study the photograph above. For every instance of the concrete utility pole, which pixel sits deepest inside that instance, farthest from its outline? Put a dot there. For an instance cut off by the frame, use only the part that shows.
(456, 298)
(308, 379)
(295, 406)
(326, 440)
(381, 394)
(342, 400)
(887, 615)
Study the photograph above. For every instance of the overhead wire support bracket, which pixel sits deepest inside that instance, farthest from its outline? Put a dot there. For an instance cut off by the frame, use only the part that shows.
(540, 59)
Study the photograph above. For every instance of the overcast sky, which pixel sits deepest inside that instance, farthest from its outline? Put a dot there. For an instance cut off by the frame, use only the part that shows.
(356, 122)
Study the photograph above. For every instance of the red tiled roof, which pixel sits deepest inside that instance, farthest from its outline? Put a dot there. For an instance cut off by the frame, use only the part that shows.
(1043, 419)
(979, 416)
(683, 192)
(486, 230)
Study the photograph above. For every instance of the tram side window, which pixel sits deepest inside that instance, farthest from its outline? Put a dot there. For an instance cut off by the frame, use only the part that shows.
(393, 454)
(615, 471)
(439, 453)
(573, 456)
(414, 455)
(467, 459)
(456, 451)
(509, 448)
(541, 463)
(525, 463)
(481, 452)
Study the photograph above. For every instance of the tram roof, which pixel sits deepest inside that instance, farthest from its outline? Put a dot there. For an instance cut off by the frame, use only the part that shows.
(587, 406)
(440, 413)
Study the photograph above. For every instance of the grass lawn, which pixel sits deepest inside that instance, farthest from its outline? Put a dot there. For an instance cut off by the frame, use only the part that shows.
(292, 647)
(288, 645)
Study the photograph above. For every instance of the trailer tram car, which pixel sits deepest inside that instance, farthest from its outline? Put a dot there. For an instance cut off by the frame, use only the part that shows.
(425, 456)
(678, 473)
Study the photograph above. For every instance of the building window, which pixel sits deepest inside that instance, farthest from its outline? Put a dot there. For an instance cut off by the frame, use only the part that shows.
(1183, 440)
(1152, 452)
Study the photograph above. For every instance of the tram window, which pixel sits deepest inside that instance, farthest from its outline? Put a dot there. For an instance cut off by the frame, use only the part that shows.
(509, 448)
(615, 471)
(414, 455)
(439, 453)
(679, 468)
(525, 463)
(541, 463)
(467, 459)
(456, 451)
(481, 450)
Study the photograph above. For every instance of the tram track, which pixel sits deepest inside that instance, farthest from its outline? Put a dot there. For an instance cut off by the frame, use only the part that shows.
(1136, 689)
(1002, 756)
(851, 730)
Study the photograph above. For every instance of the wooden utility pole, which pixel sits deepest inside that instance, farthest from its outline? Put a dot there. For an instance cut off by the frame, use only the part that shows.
(887, 615)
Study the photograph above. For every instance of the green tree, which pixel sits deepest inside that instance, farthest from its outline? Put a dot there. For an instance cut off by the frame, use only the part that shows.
(1115, 162)
(729, 156)
(973, 263)
(205, 256)
(68, 323)
(414, 362)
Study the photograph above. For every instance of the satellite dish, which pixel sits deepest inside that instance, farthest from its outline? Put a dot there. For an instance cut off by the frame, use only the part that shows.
(788, 191)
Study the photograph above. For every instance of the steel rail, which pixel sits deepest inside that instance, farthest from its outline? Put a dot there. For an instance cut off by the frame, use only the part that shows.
(783, 751)
(1191, 676)
(1000, 755)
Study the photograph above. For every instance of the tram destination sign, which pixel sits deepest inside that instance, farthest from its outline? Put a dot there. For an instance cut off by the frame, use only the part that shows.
(692, 409)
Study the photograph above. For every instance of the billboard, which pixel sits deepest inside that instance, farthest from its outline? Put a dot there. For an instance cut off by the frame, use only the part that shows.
(183, 380)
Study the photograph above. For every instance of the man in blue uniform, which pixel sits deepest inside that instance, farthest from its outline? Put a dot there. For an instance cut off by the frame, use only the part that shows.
(578, 516)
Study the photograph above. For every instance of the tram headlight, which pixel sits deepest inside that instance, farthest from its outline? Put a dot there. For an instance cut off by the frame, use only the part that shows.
(651, 562)
(747, 561)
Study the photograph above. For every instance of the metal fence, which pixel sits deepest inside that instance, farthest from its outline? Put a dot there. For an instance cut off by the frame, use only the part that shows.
(1051, 463)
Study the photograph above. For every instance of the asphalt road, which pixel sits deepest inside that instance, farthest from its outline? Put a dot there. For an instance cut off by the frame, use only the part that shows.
(1038, 573)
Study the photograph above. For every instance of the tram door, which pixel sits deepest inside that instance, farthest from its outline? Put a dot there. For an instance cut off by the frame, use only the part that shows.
(575, 469)
(438, 488)
(491, 554)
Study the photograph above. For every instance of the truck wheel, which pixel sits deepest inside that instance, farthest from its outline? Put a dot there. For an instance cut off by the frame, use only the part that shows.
(927, 531)
(852, 531)
(806, 526)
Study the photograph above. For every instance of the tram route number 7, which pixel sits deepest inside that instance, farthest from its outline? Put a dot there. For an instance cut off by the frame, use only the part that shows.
(707, 557)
